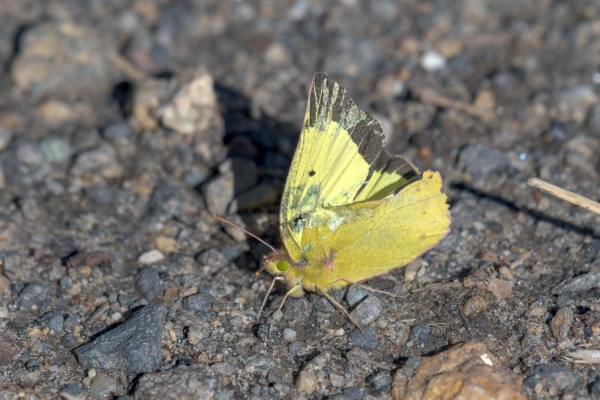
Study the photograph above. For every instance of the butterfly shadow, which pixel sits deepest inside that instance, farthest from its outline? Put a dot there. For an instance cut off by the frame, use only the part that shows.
(538, 215)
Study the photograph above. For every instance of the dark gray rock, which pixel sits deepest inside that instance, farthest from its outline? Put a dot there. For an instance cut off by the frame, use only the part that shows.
(148, 282)
(32, 294)
(595, 390)
(355, 294)
(295, 349)
(297, 309)
(380, 379)
(367, 311)
(557, 376)
(70, 323)
(133, 347)
(69, 341)
(213, 259)
(577, 284)
(322, 304)
(32, 365)
(355, 393)
(165, 203)
(197, 381)
(197, 302)
(419, 334)
(270, 333)
(481, 160)
(53, 320)
(412, 362)
(367, 340)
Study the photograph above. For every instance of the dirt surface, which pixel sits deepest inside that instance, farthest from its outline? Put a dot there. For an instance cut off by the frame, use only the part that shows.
(124, 125)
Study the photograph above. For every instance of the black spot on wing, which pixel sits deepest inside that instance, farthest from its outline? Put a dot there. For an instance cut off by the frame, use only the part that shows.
(311, 173)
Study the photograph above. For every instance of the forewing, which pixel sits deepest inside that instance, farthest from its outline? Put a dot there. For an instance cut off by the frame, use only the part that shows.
(339, 151)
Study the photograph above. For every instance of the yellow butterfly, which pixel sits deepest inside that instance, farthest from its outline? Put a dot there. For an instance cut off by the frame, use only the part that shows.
(349, 210)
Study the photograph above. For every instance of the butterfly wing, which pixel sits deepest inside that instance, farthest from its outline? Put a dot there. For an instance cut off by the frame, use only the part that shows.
(362, 240)
(339, 160)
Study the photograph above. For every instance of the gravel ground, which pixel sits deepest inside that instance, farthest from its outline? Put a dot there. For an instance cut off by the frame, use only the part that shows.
(124, 125)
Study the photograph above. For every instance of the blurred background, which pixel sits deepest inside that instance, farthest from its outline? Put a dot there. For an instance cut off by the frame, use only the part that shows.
(124, 125)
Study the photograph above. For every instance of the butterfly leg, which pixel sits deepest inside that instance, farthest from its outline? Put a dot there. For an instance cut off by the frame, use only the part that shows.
(278, 278)
(370, 289)
(292, 290)
(340, 307)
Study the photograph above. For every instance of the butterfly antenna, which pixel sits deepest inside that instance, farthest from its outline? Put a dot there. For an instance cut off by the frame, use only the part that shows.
(245, 231)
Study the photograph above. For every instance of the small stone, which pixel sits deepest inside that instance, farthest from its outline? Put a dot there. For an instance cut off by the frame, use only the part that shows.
(295, 349)
(306, 382)
(297, 309)
(102, 387)
(151, 257)
(133, 347)
(366, 340)
(419, 334)
(195, 334)
(577, 284)
(481, 324)
(213, 259)
(101, 160)
(259, 196)
(367, 311)
(148, 282)
(166, 244)
(165, 203)
(69, 341)
(73, 389)
(196, 381)
(380, 380)
(557, 376)
(412, 362)
(289, 334)
(355, 294)
(433, 61)
(355, 393)
(53, 320)
(595, 390)
(8, 348)
(34, 294)
(274, 377)
(197, 302)
(500, 288)
(475, 305)
(336, 380)
(219, 193)
(55, 150)
(560, 325)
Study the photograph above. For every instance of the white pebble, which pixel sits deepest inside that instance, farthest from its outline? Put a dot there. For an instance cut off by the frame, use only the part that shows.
(151, 257)
(433, 61)
(289, 334)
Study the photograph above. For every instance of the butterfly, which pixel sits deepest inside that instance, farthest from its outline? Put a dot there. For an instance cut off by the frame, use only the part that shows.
(349, 210)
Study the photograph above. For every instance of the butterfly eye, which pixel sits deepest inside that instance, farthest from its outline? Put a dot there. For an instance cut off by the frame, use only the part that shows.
(283, 265)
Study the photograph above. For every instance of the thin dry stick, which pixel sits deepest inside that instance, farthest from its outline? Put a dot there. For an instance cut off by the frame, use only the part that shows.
(564, 194)
(520, 259)
(430, 96)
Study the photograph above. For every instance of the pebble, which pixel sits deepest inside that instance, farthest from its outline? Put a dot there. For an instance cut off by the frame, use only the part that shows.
(595, 390)
(8, 348)
(481, 324)
(560, 325)
(475, 305)
(165, 203)
(165, 244)
(53, 320)
(481, 160)
(289, 334)
(500, 288)
(419, 334)
(102, 387)
(433, 61)
(118, 133)
(274, 377)
(193, 107)
(32, 295)
(148, 282)
(355, 393)
(101, 160)
(295, 349)
(270, 334)
(62, 58)
(297, 309)
(577, 284)
(213, 259)
(55, 149)
(259, 196)
(195, 334)
(24, 164)
(367, 341)
(355, 294)
(197, 302)
(133, 347)
(380, 379)
(557, 376)
(367, 311)
(336, 380)
(258, 365)
(151, 257)
(322, 304)
(306, 382)
(219, 193)
(72, 389)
